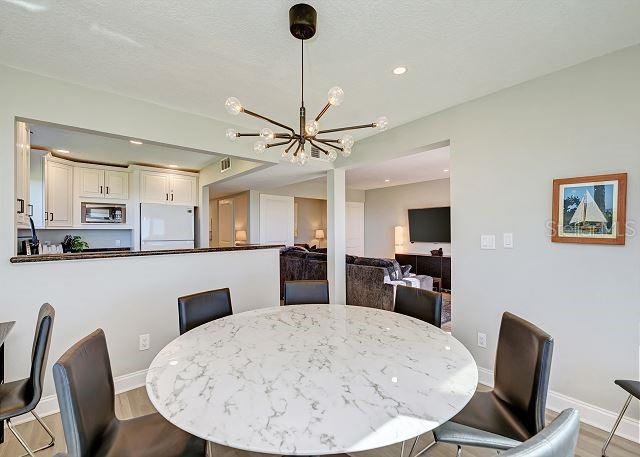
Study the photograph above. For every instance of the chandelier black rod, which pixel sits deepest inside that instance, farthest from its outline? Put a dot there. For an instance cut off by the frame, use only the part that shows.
(326, 142)
(280, 143)
(324, 110)
(259, 116)
(353, 127)
(288, 148)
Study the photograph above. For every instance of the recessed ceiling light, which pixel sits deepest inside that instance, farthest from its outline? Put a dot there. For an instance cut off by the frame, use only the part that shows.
(387, 180)
(62, 151)
(446, 170)
(173, 166)
(399, 70)
(135, 142)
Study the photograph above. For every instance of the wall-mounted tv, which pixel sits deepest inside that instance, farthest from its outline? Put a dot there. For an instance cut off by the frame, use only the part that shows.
(430, 225)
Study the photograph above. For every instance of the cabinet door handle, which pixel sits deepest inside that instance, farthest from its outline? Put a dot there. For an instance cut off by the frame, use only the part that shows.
(167, 197)
(107, 190)
(171, 196)
(51, 220)
(21, 210)
(101, 189)
(30, 210)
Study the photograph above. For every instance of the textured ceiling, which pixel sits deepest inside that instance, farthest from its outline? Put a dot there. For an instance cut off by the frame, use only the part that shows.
(95, 147)
(193, 54)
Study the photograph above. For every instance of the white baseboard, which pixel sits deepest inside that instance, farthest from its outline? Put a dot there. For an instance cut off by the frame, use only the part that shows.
(589, 414)
(49, 405)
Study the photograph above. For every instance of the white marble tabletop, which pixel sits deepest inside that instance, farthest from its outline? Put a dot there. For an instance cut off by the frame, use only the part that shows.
(311, 379)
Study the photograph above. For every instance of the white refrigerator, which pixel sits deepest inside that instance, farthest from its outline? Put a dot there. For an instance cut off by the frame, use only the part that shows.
(166, 227)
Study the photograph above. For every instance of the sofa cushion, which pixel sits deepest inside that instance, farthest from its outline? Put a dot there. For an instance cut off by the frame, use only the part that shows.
(350, 259)
(392, 266)
(320, 256)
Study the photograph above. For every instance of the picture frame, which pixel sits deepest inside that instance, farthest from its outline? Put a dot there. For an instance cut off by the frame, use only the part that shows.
(590, 209)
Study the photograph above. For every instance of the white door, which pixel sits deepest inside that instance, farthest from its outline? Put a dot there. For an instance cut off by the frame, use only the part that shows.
(354, 219)
(116, 184)
(59, 185)
(90, 182)
(154, 187)
(276, 219)
(226, 236)
(183, 190)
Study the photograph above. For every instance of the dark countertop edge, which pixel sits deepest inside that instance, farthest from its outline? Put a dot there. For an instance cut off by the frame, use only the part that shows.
(114, 254)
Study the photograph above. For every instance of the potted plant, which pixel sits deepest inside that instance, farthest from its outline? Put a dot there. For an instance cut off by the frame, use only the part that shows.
(74, 244)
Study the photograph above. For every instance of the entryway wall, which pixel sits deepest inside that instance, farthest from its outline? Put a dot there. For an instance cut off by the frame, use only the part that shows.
(240, 204)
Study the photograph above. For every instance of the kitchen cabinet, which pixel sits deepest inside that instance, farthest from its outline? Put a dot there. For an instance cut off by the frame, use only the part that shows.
(102, 183)
(22, 167)
(58, 194)
(168, 188)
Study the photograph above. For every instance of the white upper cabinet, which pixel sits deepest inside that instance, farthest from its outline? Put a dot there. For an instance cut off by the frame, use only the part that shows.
(168, 188)
(154, 187)
(90, 182)
(22, 164)
(183, 190)
(116, 184)
(102, 183)
(59, 194)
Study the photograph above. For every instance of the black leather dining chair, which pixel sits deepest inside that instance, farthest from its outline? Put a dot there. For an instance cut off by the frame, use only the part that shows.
(84, 385)
(197, 309)
(513, 411)
(633, 389)
(306, 292)
(558, 439)
(422, 304)
(22, 397)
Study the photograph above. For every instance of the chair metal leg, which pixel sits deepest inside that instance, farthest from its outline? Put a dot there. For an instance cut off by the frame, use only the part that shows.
(615, 425)
(413, 445)
(402, 450)
(459, 451)
(31, 452)
(429, 446)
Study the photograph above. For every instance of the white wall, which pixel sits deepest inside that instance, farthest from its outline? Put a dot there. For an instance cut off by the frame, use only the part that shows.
(506, 149)
(386, 208)
(240, 214)
(315, 188)
(125, 296)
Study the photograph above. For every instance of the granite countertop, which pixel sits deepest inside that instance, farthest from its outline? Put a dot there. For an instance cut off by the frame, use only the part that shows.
(127, 253)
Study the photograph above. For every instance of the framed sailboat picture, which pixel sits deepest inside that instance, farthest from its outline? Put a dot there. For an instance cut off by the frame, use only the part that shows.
(590, 209)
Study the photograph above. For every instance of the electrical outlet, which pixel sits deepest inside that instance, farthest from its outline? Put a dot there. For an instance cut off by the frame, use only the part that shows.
(144, 341)
(482, 340)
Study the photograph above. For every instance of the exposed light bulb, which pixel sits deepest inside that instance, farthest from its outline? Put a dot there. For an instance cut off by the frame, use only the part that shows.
(336, 96)
(233, 106)
(399, 70)
(232, 134)
(259, 146)
(266, 133)
(302, 160)
(312, 128)
(294, 158)
(382, 123)
(346, 152)
(333, 155)
(347, 141)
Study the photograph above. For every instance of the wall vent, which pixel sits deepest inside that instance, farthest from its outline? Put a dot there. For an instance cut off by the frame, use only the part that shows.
(316, 153)
(225, 164)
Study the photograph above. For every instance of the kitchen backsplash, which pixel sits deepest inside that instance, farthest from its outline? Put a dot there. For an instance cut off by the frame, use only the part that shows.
(95, 238)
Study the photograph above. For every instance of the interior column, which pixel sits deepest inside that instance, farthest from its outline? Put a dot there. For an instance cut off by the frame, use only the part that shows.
(336, 239)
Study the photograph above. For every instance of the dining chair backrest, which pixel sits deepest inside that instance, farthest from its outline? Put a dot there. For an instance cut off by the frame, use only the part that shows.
(40, 353)
(422, 304)
(306, 292)
(84, 385)
(522, 368)
(558, 439)
(197, 309)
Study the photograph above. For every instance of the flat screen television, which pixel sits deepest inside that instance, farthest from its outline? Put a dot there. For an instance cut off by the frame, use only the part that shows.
(430, 225)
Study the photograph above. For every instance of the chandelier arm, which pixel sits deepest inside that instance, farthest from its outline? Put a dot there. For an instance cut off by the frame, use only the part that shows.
(325, 140)
(247, 134)
(295, 153)
(286, 151)
(329, 144)
(280, 143)
(287, 136)
(353, 127)
(319, 147)
(324, 110)
(259, 116)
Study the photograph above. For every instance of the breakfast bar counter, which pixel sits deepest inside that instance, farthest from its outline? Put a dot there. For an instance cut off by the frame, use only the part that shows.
(121, 253)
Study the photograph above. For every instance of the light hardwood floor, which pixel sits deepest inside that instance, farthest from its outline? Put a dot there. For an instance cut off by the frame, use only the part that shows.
(135, 403)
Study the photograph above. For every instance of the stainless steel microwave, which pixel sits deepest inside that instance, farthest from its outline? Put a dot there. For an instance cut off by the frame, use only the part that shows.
(103, 213)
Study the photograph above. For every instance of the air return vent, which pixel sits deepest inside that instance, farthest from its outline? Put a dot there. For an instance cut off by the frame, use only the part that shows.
(225, 164)
(316, 153)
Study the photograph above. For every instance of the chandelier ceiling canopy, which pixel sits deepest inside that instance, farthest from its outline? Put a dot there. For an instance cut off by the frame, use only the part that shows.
(302, 25)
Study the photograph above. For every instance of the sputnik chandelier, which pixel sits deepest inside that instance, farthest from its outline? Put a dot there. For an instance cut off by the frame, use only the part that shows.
(302, 25)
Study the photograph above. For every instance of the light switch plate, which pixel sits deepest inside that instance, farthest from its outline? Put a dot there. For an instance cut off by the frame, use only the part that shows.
(507, 240)
(487, 242)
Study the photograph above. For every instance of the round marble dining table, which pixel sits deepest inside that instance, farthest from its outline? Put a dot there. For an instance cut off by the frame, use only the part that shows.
(311, 379)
